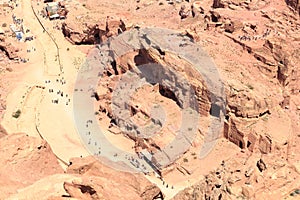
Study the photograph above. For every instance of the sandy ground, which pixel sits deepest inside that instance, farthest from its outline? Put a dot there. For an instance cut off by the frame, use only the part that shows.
(54, 122)
(39, 116)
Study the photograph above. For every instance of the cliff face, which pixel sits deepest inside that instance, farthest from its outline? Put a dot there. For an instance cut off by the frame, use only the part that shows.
(29, 166)
(102, 182)
(249, 180)
(2, 132)
(93, 33)
(260, 117)
(255, 45)
(295, 4)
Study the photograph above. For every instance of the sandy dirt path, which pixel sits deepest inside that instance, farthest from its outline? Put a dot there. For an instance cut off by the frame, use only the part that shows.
(39, 115)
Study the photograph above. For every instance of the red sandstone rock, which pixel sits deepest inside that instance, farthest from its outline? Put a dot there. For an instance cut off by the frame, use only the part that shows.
(24, 160)
(100, 181)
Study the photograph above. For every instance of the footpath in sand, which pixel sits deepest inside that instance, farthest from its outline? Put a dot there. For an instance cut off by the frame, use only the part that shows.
(40, 116)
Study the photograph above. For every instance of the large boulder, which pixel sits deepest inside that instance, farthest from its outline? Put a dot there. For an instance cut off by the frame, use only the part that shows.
(24, 160)
(87, 178)
(102, 182)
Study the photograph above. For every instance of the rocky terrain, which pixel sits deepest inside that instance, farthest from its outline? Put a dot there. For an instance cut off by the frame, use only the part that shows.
(30, 169)
(255, 46)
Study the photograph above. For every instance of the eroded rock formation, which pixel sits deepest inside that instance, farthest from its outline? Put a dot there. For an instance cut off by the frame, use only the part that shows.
(79, 33)
(24, 160)
(233, 179)
(31, 165)
(295, 4)
(9, 50)
(100, 182)
(127, 116)
(256, 47)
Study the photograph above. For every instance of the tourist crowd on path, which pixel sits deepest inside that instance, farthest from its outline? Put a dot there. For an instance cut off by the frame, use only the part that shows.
(61, 95)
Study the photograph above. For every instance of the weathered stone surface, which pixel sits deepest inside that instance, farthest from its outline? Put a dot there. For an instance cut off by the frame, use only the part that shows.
(2, 132)
(229, 27)
(100, 181)
(197, 9)
(246, 102)
(81, 191)
(9, 50)
(92, 33)
(228, 181)
(49, 187)
(87, 178)
(114, 27)
(261, 165)
(247, 191)
(135, 112)
(218, 4)
(259, 63)
(24, 160)
(295, 4)
(265, 144)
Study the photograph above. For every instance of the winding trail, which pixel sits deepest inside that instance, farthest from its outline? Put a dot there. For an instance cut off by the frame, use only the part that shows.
(40, 117)
(53, 40)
